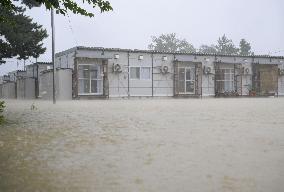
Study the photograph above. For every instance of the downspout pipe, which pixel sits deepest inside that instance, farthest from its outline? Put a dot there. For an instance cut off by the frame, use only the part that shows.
(128, 68)
(152, 74)
(174, 75)
(75, 76)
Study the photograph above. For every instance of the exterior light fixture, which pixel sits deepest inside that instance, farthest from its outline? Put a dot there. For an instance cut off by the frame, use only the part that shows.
(280, 61)
(206, 59)
(245, 60)
(164, 58)
(116, 56)
(140, 57)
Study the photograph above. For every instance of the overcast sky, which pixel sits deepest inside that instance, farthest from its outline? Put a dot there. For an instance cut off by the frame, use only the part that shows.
(133, 22)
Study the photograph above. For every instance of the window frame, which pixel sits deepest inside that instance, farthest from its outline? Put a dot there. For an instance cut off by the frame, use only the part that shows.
(184, 80)
(230, 81)
(90, 79)
(135, 71)
(140, 69)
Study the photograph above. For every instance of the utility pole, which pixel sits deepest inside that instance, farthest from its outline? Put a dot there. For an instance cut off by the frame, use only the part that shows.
(53, 54)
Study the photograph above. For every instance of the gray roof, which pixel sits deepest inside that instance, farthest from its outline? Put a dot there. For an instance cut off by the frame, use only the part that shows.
(39, 63)
(161, 52)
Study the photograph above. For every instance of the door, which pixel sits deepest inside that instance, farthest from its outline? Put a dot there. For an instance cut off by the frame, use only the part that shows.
(186, 80)
(225, 80)
(90, 79)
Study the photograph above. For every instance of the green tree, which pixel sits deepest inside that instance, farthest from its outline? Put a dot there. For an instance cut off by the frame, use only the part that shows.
(60, 6)
(226, 46)
(170, 42)
(21, 37)
(208, 49)
(245, 48)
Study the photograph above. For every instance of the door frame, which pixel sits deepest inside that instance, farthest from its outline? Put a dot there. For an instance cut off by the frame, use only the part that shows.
(185, 80)
(90, 79)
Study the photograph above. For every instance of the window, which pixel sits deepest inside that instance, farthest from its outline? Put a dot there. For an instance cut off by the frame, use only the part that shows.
(90, 80)
(145, 73)
(186, 80)
(135, 73)
(226, 80)
(140, 73)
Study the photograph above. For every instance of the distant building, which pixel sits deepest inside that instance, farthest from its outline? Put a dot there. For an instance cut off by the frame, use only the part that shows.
(95, 72)
(104, 72)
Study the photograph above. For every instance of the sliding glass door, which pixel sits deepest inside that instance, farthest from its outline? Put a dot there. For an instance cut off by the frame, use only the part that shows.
(186, 80)
(225, 80)
(90, 79)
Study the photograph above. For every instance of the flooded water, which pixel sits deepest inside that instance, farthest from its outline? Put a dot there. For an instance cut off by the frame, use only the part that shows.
(143, 145)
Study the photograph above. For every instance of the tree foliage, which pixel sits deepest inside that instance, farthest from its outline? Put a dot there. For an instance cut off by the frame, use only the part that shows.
(20, 37)
(226, 46)
(209, 49)
(60, 6)
(170, 42)
(245, 48)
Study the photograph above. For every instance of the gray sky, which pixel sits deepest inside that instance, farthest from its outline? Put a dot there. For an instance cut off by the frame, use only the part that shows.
(133, 22)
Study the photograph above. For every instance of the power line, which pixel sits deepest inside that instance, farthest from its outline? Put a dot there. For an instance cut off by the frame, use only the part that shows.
(274, 52)
(71, 29)
(279, 51)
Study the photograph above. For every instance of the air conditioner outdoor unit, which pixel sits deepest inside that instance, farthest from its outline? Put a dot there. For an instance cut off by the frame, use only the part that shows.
(164, 69)
(207, 70)
(6, 78)
(116, 68)
(247, 71)
(281, 71)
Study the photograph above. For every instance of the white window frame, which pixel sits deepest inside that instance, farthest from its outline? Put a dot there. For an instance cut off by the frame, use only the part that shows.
(230, 80)
(90, 80)
(140, 68)
(187, 80)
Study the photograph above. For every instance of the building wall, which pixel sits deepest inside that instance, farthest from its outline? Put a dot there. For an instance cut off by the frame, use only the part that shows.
(30, 71)
(247, 78)
(12, 76)
(118, 81)
(208, 88)
(281, 81)
(9, 90)
(140, 87)
(1, 90)
(65, 61)
(120, 85)
(26, 88)
(163, 84)
(63, 84)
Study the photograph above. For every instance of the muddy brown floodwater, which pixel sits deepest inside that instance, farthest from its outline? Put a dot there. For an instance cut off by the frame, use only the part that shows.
(147, 145)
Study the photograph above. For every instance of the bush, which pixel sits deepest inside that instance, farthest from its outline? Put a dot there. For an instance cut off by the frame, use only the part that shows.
(2, 106)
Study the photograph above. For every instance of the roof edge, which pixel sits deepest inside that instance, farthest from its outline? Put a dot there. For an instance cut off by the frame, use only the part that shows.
(73, 49)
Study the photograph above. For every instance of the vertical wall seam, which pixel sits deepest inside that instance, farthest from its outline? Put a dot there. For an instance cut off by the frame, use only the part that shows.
(152, 75)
